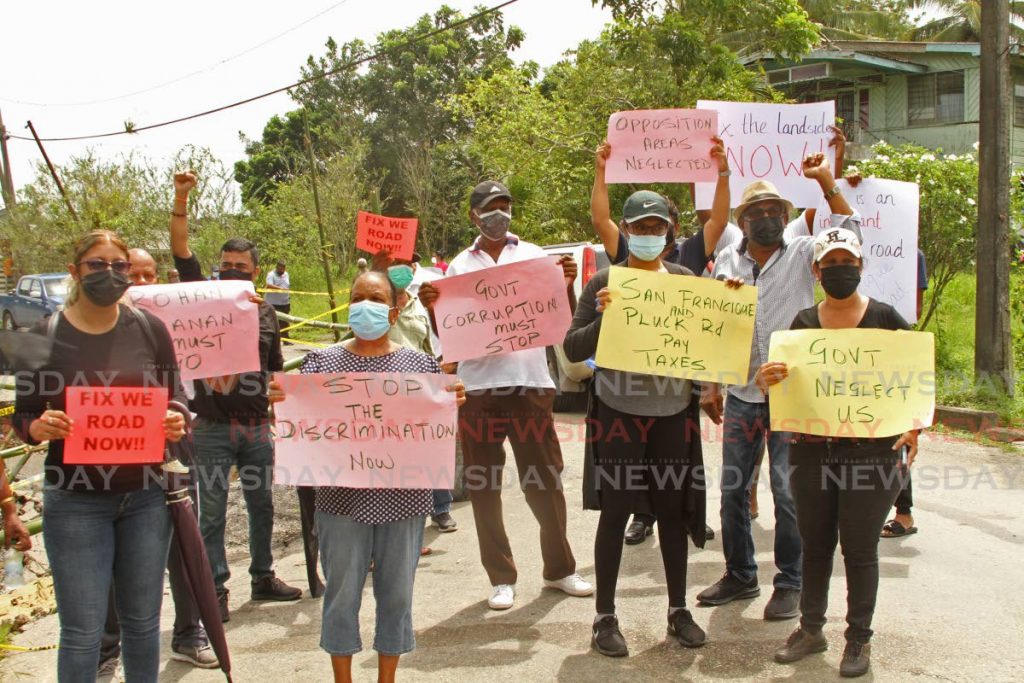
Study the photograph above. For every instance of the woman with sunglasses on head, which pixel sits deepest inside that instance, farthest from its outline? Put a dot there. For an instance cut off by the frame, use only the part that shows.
(826, 510)
(102, 524)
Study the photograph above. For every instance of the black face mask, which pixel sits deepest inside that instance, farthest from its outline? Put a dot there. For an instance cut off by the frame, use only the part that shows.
(840, 282)
(234, 274)
(106, 287)
(766, 231)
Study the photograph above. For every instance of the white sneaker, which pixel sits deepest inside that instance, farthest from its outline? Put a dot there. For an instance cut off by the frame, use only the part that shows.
(502, 597)
(573, 584)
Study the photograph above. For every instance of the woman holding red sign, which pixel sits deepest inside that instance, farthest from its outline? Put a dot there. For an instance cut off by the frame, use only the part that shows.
(103, 524)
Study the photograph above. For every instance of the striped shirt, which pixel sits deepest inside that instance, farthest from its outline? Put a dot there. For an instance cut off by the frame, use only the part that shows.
(785, 286)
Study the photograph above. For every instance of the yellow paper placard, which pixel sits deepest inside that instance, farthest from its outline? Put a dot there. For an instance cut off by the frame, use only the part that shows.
(854, 382)
(677, 326)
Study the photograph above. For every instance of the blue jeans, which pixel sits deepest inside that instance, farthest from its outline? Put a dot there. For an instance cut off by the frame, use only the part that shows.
(442, 502)
(91, 540)
(346, 549)
(219, 445)
(744, 434)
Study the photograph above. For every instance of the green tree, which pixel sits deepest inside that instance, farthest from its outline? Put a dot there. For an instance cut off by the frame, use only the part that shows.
(960, 20)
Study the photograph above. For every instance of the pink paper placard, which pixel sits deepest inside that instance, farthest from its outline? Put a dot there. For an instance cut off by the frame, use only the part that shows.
(662, 146)
(366, 430)
(214, 326)
(522, 305)
(382, 233)
(115, 425)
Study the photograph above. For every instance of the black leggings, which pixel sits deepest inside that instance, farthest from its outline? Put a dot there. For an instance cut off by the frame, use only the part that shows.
(640, 456)
(843, 491)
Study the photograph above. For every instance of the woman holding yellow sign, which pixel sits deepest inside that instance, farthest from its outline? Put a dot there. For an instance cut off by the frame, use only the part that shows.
(842, 487)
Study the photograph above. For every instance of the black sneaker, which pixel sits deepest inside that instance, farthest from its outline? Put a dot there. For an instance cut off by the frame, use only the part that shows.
(785, 604)
(856, 659)
(727, 589)
(273, 588)
(638, 532)
(709, 533)
(800, 644)
(682, 627)
(445, 523)
(222, 601)
(607, 638)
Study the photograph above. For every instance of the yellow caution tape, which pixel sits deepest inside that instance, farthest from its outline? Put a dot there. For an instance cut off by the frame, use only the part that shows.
(19, 648)
(9, 410)
(315, 317)
(292, 291)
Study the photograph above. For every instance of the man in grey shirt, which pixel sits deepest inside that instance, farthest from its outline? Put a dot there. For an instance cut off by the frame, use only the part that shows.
(780, 268)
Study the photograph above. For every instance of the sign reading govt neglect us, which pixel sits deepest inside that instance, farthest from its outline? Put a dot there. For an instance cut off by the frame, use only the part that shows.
(115, 425)
(214, 326)
(517, 306)
(366, 430)
(677, 326)
(396, 236)
(661, 146)
(861, 383)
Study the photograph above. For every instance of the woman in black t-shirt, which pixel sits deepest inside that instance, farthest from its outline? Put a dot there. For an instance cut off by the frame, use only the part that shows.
(102, 524)
(827, 510)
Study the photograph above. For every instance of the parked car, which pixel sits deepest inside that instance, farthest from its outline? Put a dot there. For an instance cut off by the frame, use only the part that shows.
(35, 297)
(571, 378)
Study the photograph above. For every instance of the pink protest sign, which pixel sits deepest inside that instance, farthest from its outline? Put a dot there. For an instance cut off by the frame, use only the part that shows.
(366, 430)
(115, 425)
(382, 233)
(213, 324)
(498, 310)
(661, 146)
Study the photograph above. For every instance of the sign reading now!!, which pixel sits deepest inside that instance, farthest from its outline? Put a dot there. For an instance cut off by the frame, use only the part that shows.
(115, 425)
(397, 236)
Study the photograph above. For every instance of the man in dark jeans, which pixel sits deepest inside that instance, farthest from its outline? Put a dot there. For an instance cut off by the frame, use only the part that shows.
(233, 423)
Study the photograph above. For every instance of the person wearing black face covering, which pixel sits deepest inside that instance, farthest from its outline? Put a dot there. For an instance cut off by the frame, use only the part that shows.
(781, 270)
(827, 510)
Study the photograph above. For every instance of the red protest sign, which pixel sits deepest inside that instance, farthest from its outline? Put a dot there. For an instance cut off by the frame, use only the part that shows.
(502, 309)
(115, 425)
(661, 146)
(381, 233)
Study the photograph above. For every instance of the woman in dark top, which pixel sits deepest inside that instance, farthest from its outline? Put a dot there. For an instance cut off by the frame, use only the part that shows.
(359, 526)
(827, 511)
(101, 524)
(642, 428)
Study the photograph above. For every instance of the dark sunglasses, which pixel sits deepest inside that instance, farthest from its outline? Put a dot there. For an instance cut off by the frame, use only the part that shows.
(96, 265)
(768, 212)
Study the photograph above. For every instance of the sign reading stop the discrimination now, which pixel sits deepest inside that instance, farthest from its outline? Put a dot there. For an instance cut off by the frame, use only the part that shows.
(115, 425)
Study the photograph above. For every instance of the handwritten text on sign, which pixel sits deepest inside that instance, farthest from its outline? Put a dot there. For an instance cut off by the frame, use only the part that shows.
(677, 326)
(366, 430)
(661, 146)
(507, 308)
(769, 142)
(214, 326)
(115, 425)
(396, 236)
(889, 221)
(853, 383)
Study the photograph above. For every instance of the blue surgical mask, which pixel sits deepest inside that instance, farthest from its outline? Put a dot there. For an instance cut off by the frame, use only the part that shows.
(400, 276)
(369, 319)
(646, 247)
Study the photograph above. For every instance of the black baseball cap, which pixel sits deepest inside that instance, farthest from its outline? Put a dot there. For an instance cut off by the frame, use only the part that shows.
(487, 191)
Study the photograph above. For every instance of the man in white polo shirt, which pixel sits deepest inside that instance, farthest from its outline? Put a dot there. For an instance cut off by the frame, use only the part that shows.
(510, 396)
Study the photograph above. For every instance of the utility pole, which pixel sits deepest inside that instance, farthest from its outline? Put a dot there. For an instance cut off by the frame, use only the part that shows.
(320, 226)
(53, 171)
(993, 352)
(6, 181)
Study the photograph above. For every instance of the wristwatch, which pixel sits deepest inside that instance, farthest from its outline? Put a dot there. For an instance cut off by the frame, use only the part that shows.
(832, 193)
(725, 174)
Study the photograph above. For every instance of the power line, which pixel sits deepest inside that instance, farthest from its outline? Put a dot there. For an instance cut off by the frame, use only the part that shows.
(277, 91)
(205, 69)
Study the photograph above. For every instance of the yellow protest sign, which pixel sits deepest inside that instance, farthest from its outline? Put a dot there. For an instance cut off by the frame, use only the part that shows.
(853, 383)
(677, 326)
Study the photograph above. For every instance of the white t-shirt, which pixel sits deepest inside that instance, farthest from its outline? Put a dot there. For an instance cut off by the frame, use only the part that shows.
(527, 368)
(274, 298)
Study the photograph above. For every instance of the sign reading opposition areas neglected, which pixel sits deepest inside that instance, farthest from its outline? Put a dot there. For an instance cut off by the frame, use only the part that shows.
(677, 326)
(115, 425)
(854, 382)
(396, 236)
(517, 306)
(366, 430)
(769, 142)
(213, 324)
(661, 146)
(889, 224)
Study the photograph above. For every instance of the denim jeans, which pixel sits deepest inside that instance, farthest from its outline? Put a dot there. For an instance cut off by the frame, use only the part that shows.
(346, 549)
(250, 448)
(442, 502)
(745, 429)
(91, 540)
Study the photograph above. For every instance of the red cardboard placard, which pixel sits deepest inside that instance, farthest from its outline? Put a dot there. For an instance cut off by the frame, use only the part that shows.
(382, 233)
(115, 425)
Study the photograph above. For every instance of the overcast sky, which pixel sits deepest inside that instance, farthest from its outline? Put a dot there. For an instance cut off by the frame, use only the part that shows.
(56, 52)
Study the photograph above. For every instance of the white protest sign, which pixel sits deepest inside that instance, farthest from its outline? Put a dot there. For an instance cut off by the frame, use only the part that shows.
(889, 217)
(769, 142)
